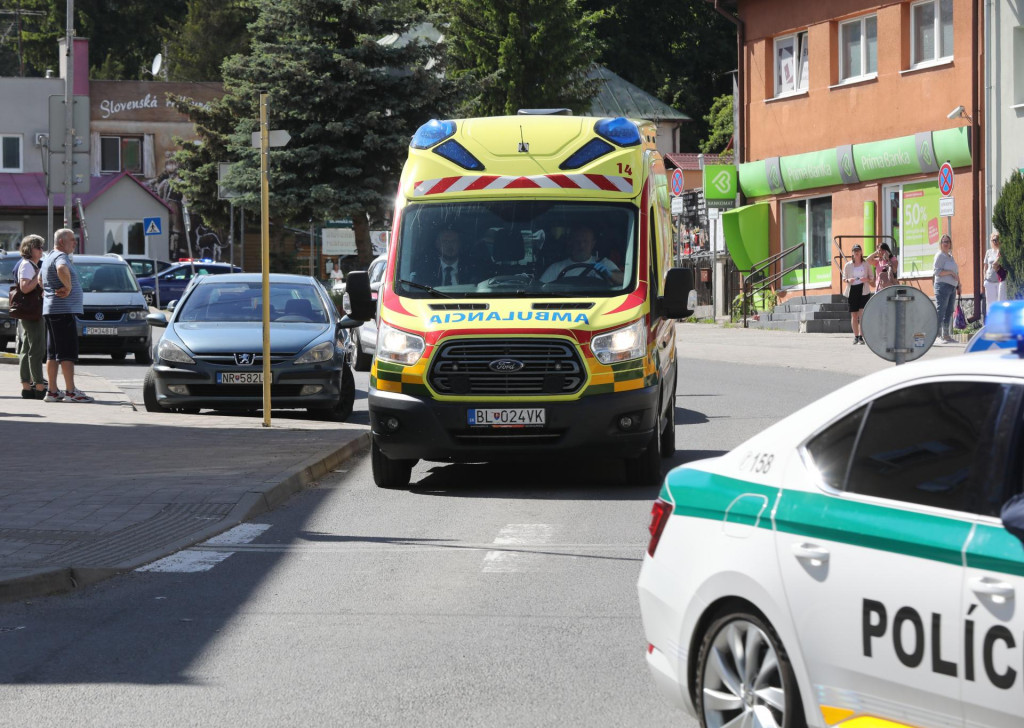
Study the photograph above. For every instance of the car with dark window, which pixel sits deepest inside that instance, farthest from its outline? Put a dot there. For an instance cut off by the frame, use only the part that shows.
(114, 312)
(8, 326)
(364, 338)
(211, 352)
(174, 280)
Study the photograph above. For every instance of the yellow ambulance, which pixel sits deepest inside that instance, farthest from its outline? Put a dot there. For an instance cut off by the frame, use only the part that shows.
(528, 308)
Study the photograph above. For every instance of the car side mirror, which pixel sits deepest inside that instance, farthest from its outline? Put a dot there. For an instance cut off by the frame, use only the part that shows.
(171, 306)
(680, 296)
(157, 319)
(357, 286)
(1012, 515)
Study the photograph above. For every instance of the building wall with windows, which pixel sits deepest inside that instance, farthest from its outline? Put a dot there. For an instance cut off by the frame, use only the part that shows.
(845, 126)
(1004, 97)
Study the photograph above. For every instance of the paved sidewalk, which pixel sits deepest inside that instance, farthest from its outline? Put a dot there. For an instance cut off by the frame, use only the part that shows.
(94, 489)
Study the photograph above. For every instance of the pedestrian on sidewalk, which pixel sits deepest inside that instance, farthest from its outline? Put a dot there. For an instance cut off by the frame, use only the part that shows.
(31, 332)
(859, 275)
(947, 287)
(886, 267)
(995, 274)
(62, 299)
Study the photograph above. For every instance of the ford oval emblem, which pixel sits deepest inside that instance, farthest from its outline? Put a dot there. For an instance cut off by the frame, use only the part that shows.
(505, 366)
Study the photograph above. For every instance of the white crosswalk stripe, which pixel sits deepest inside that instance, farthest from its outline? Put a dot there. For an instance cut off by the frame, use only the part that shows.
(515, 536)
(208, 554)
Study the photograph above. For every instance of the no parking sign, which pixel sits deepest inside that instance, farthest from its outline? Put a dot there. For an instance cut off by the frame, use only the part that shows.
(677, 182)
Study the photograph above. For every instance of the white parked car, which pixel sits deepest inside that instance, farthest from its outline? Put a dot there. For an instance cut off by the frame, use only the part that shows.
(364, 338)
(859, 563)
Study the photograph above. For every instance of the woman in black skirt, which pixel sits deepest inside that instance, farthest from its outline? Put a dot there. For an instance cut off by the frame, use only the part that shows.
(859, 275)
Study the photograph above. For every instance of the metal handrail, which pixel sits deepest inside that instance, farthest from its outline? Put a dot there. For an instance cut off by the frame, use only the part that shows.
(749, 291)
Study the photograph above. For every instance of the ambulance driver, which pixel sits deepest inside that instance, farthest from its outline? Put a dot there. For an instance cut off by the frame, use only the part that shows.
(581, 260)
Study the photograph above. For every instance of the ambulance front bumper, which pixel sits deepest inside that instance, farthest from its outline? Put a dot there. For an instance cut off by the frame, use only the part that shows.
(408, 427)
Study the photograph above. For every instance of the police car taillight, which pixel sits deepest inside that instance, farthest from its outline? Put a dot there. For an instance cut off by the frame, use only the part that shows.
(659, 517)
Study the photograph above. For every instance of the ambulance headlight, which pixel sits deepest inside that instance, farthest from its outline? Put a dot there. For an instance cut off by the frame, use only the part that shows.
(629, 342)
(431, 133)
(619, 130)
(397, 346)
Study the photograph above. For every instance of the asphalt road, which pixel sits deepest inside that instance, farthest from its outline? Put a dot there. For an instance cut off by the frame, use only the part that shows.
(485, 596)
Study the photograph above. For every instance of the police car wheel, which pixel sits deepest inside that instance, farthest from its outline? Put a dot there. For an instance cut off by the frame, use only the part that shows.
(744, 676)
(389, 473)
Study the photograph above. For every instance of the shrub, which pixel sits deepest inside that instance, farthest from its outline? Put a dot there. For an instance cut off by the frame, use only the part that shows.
(1008, 219)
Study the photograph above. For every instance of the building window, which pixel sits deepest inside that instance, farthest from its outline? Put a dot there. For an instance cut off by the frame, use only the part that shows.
(931, 31)
(808, 223)
(10, 153)
(11, 233)
(121, 154)
(124, 237)
(1018, 66)
(858, 48)
(791, 64)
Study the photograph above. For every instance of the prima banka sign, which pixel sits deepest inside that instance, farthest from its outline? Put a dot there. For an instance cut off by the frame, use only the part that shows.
(147, 101)
(852, 163)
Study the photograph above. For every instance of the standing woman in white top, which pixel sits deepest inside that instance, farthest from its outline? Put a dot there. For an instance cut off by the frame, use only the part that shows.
(858, 275)
(947, 286)
(995, 276)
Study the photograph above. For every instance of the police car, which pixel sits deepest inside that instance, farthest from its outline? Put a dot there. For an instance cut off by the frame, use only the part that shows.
(859, 563)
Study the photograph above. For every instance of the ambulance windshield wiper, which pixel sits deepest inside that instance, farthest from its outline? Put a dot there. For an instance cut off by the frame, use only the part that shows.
(422, 287)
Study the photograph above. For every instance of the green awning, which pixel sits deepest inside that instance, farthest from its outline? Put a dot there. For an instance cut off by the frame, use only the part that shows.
(746, 234)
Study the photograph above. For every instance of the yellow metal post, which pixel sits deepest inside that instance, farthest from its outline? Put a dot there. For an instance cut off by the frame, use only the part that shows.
(265, 240)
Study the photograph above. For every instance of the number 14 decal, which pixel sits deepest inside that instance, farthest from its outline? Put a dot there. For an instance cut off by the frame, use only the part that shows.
(625, 169)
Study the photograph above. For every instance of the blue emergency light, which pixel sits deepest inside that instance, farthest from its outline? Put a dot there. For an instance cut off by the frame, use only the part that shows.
(1004, 324)
(431, 133)
(587, 153)
(619, 130)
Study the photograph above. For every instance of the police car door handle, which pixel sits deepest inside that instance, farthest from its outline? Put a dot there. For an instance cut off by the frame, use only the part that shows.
(991, 587)
(811, 552)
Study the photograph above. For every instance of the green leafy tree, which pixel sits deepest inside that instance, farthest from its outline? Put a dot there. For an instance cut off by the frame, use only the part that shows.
(1008, 219)
(521, 53)
(211, 31)
(349, 102)
(124, 35)
(719, 121)
(681, 52)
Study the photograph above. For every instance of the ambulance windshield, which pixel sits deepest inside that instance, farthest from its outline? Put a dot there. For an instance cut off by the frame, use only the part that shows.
(516, 247)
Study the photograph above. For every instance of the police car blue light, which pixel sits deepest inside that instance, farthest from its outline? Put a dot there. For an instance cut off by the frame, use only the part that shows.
(431, 133)
(619, 130)
(1004, 328)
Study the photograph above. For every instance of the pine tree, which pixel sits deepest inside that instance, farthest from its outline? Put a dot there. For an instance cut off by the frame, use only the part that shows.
(211, 31)
(349, 102)
(1008, 219)
(522, 53)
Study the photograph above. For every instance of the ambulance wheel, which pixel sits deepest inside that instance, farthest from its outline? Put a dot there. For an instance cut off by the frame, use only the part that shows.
(668, 435)
(388, 473)
(645, 469)
(744, 676)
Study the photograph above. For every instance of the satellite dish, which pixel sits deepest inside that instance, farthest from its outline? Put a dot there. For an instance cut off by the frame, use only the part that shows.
(158, 63)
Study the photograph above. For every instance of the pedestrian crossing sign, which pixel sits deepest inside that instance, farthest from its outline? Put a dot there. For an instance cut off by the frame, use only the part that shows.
(151, 225)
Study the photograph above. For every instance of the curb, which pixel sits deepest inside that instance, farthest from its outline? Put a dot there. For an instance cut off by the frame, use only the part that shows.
(59, 580)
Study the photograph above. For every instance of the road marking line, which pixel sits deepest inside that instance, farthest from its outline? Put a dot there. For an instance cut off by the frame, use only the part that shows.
(209, 553)
(516, 534)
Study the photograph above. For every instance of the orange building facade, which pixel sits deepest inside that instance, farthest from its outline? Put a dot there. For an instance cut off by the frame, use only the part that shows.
(845, 123)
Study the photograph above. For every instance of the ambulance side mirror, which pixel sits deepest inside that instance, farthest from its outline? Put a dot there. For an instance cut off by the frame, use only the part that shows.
(360, 300)
(680, 297)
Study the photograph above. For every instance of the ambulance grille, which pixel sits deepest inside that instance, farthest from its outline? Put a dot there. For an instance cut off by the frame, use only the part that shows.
(549, 367)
